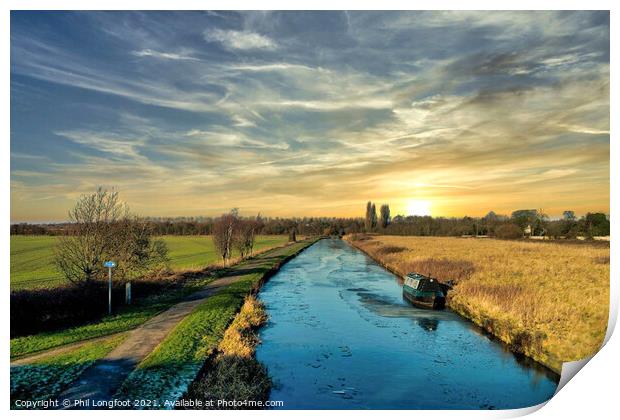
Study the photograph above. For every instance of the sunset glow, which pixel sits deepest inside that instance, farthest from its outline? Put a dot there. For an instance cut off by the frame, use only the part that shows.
(418, 208)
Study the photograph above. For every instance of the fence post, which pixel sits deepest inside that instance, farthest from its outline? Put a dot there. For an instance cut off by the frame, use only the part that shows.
(128, 293)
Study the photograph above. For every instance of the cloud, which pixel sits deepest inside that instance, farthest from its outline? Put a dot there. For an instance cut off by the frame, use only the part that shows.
(106, 143)
(240, 40)
(163, 55)
(232, 139)
(450, 107)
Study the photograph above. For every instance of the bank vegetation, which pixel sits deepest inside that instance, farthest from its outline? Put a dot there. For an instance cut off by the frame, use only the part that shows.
(549, 301)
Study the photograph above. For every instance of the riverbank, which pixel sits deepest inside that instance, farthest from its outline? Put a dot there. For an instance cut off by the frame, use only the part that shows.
(531, 296)
(167, 372)
(233, 373)
(340, 336)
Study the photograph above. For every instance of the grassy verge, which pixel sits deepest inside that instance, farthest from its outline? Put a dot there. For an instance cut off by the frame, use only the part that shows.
(548, 301)
(234, 374)
(129, 318)
(168, 371)
(45, 378)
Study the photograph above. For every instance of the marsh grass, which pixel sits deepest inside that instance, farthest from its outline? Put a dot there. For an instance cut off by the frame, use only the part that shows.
(602, 260)
(442, 268)
(384, 250)
(549, 301)
(240, 339)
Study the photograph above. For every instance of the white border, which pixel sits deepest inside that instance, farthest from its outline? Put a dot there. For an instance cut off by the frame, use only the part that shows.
(592, 394)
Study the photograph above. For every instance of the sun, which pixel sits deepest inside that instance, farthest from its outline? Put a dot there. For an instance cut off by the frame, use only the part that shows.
(418, 208)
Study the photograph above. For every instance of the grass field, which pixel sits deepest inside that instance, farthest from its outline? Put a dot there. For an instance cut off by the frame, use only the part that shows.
(549, 301)
(32, 257)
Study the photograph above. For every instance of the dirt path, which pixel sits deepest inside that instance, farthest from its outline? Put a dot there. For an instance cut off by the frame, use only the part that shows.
(100, 381)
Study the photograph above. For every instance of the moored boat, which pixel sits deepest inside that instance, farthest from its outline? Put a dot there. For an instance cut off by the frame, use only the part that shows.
(425, 291)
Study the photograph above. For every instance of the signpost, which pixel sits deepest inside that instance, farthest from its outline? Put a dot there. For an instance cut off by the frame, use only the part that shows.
(109, 265)
(128, 293)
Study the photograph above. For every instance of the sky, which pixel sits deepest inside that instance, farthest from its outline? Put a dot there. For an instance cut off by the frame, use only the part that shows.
(310, 113)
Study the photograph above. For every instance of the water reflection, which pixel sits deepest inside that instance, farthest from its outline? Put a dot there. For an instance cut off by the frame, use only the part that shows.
(386, 306)
(341, 335)
(428, 324)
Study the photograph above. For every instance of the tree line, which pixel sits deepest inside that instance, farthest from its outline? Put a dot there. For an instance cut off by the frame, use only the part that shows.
(520, 223)
(524, 222)
(161, 226)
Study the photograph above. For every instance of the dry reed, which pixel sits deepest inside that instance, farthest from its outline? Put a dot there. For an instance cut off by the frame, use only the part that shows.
(549, 301)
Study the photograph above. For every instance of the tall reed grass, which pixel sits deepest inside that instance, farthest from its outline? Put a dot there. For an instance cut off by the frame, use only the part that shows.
(549, 301)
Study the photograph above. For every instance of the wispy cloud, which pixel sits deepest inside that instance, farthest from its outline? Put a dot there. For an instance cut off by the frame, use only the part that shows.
(163, 55)
(240, 40)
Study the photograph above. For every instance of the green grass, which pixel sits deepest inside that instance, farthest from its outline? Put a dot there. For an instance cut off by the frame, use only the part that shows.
(130, 317)
(195, 252)
(32, 262)
(167, 372)
(127, 320)
(32, 257)
(45, 378)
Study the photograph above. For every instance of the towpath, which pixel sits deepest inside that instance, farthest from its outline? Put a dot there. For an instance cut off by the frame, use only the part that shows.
(102, 380)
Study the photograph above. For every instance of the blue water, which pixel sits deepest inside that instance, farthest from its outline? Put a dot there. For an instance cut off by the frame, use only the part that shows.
(340, 336)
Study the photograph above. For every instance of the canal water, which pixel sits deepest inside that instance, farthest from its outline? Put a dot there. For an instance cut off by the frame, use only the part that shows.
(340, 336)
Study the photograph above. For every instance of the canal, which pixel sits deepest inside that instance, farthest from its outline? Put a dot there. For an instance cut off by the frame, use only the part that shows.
(340, 336)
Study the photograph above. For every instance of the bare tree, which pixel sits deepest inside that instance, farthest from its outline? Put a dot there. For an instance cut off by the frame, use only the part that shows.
(243, 237)
(223, 231)
(80, 256)
(135, 250)
(103, 229)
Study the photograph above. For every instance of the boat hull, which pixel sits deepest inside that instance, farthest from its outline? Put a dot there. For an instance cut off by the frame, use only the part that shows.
(428, 300)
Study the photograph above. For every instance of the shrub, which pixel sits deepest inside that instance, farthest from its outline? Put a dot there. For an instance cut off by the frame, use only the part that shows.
(602, 260)
(390, 250)
(509, 231)
(360, 237)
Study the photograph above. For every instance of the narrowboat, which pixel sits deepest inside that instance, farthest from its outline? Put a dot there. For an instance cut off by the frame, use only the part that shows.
(425, 291)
